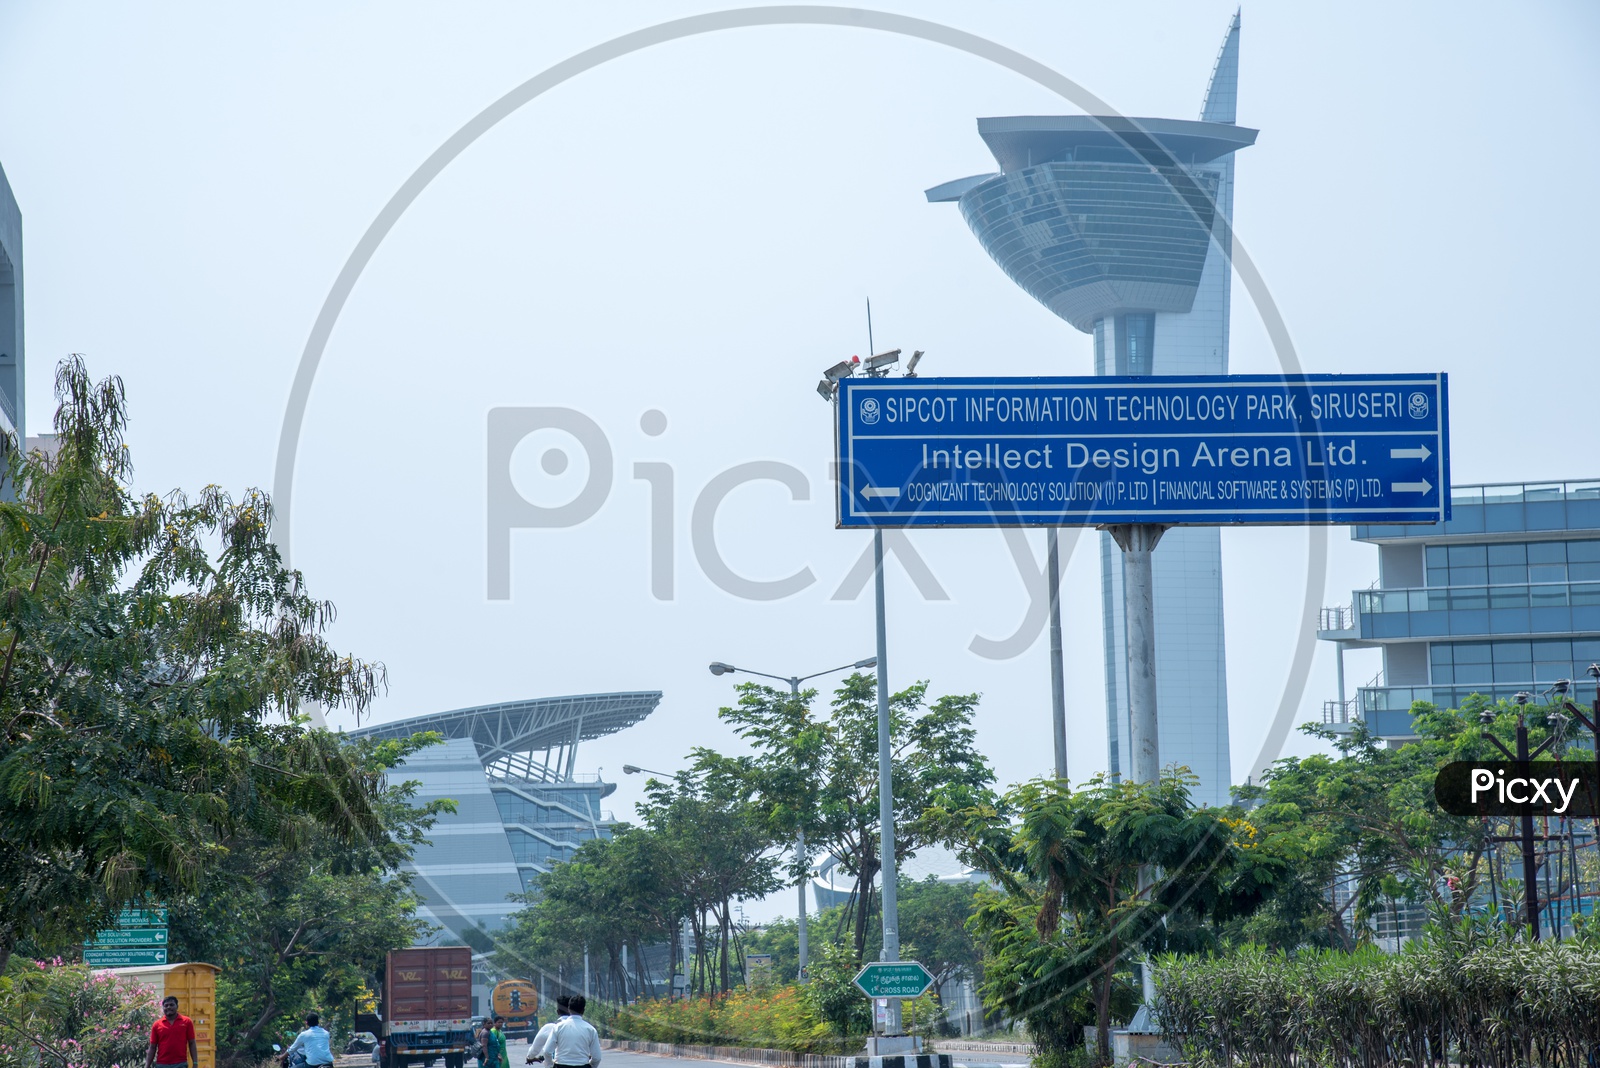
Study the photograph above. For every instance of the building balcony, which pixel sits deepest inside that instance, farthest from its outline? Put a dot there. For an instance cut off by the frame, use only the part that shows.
(1503, 508)
(1339, 716)
(1478, 611)
(1337, 621)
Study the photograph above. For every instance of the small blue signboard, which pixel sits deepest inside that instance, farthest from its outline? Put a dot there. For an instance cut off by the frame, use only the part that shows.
(1199, 450)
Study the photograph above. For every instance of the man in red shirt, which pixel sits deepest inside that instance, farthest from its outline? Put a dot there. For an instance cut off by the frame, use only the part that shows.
(171, 1039)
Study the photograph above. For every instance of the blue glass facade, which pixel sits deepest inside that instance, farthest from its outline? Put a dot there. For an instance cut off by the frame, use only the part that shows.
(1502, 599)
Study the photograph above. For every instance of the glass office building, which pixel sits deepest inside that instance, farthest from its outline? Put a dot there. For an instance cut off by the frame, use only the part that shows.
(1120, 227)
(521, 803)
(1502, 599)
(12, 364)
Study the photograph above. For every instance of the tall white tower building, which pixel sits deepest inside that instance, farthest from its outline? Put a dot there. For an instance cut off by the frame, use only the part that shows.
(1121, 227)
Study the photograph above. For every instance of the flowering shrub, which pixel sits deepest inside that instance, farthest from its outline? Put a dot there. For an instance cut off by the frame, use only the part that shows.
(779, 1018)
(55, 1015)
(785, 1017)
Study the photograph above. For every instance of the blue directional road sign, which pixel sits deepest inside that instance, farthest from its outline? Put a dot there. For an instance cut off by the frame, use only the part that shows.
(1205, 450)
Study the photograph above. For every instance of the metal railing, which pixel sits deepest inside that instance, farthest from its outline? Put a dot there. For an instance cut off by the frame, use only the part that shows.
(1338, 617)
(1519, 492)
(1339, 711)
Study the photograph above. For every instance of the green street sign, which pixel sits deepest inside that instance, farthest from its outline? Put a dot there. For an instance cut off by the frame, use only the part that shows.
(124, 958)
(130, 936)
(152, 917)
(893, 979)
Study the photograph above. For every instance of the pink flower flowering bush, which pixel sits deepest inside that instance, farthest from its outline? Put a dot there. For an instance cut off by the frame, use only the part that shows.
(56, 1015)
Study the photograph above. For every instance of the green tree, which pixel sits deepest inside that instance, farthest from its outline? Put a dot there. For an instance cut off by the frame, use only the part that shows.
(933, 928)
(613, 893)
(156, 652)
(1368, 817)
(1087, 878)
(821, 774)
(300, 921)
(715, 843)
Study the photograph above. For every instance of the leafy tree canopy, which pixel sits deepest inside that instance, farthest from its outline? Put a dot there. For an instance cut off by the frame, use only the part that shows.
(155, 654)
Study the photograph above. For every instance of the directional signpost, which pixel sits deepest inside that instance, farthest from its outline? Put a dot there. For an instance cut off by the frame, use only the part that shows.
(124, 958)
(893, 979)
(131, 936)
(1202, 450)
(138, 939)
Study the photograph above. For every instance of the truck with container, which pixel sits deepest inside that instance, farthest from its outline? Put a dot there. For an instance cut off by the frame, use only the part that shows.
(518, 1001)
(427, 1008)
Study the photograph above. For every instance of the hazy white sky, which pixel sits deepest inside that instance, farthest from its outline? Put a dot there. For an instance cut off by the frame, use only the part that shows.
(694, 229)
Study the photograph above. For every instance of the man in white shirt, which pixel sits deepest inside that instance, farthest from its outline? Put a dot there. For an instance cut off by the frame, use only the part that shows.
(314, 1042)
(536, 1048)
(575, 1043)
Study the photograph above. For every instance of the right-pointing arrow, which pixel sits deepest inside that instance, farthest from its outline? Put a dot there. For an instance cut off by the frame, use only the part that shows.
(1410, 454)
(1410, 487)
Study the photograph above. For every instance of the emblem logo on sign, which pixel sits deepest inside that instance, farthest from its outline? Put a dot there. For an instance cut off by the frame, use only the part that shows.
(1418, 406)
(869, 410)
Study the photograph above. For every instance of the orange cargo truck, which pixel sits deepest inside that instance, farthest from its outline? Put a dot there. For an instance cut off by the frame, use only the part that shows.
(427, 1007)
(518, 1001)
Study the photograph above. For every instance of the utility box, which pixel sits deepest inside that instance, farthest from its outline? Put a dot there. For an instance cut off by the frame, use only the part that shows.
(195, 987)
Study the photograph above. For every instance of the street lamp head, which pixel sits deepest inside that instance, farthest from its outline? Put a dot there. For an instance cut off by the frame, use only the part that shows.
(870, 661)
(629, 769)
(719, 668)
(1558, 724)
(842, 369)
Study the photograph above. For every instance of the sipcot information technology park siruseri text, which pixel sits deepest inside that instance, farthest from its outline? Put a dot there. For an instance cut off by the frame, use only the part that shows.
(1207, 450)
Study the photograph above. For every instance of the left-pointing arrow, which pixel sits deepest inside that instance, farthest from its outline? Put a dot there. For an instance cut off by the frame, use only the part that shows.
(879, 491)
(1411, 487)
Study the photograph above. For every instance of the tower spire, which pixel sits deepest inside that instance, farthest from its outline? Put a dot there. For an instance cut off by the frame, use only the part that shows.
(1222, 94)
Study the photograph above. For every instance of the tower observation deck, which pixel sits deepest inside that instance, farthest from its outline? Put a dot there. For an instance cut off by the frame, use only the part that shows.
(1120, 226)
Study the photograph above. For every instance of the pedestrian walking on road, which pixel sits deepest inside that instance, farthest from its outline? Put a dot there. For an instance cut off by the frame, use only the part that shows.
(541, 1041)
(575, 1043)
(495, 1046)
(171, 1039)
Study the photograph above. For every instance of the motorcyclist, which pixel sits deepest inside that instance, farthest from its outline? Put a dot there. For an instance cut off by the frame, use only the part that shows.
(311, 1045)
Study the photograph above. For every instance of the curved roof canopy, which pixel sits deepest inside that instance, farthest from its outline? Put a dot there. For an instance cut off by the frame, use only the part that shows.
(1022, 141)
(527, 726)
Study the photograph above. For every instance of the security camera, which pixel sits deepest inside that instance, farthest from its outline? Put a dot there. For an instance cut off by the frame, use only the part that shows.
(877, 366)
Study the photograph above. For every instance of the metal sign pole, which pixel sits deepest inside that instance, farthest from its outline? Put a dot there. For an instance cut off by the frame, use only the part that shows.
(1058, 691)
(891, 912)
(1137, 541)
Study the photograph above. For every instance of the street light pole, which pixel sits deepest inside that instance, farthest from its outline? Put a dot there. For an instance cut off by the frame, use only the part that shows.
(801, 856)
(1530, 858)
